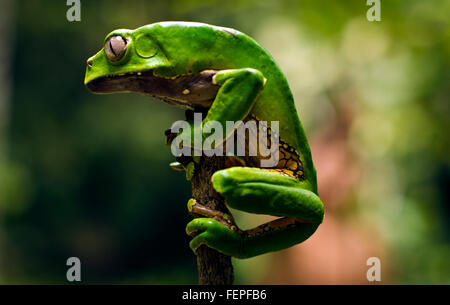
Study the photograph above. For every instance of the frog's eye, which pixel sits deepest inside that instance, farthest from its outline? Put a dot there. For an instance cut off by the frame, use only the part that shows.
(115, 47)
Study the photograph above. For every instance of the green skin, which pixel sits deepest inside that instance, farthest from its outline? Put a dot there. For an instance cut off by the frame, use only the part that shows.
(249, 82)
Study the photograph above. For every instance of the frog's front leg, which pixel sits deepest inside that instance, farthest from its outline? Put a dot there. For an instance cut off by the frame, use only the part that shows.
(236, 96)
(233, 102)
(260, 191)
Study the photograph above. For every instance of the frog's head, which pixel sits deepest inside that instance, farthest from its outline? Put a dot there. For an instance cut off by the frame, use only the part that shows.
(126, 53)
(137, 61)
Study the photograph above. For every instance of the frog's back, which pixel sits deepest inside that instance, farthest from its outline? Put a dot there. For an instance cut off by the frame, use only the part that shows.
(217, 48)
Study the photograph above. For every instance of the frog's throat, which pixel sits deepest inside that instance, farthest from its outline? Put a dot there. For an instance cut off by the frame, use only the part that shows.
(188, 91)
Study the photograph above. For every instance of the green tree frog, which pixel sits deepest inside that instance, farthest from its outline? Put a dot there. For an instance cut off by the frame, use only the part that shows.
(228, 76)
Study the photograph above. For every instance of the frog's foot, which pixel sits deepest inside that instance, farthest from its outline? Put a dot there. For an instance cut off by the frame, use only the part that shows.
(218, 231)
(216, 235)
(186, 164)
(184, 138)
(170, 136)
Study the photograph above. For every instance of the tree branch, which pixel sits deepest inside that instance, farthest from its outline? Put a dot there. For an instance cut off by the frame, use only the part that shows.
(214, 268)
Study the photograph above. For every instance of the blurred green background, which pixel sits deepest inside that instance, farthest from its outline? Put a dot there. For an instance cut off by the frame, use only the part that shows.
(87, 175)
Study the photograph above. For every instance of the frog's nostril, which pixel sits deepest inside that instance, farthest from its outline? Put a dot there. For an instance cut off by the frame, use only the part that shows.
(89, 62)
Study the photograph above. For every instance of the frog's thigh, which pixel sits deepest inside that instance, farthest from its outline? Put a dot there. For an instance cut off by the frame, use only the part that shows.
(261, 191)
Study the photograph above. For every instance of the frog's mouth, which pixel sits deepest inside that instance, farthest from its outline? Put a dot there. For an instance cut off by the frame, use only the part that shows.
(191, 91)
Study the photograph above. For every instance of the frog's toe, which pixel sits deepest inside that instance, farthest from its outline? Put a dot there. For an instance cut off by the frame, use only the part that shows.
(205, 227)
(200, 225)
(214, 235)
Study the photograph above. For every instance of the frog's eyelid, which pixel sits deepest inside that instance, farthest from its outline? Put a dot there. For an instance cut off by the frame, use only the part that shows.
(125, 38)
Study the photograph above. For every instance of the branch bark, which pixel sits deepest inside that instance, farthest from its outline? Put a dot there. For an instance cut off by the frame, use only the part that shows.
(214, 268)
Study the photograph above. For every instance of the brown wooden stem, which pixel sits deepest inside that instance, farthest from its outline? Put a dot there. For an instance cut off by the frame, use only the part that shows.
(214, 268)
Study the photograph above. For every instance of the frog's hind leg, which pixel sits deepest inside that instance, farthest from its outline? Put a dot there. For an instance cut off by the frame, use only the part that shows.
(263, 191)
(259, 191)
